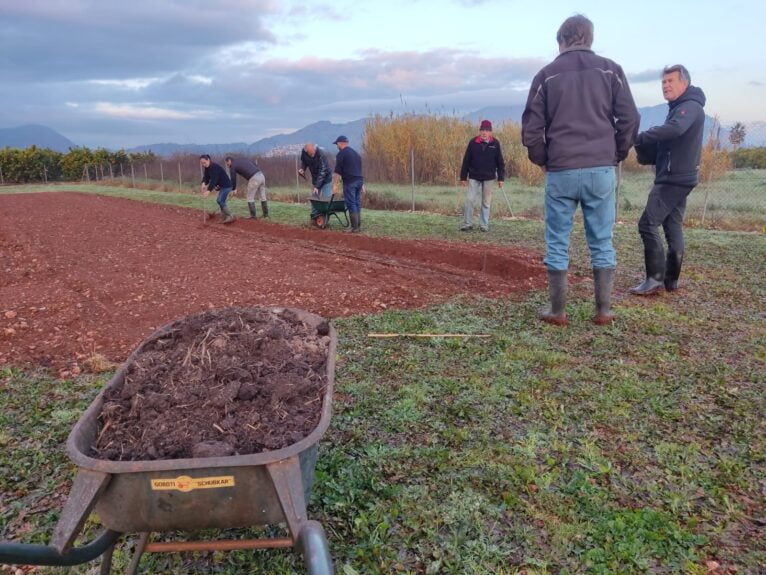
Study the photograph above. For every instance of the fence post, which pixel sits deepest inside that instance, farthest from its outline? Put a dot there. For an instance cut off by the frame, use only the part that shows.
(111, 173)
(707, 195)
(146, 175)
(122, 173)
(45, 173)
(412, 172)
(180, 186)
(162, 176)
(132, 176)
(2, 180)
(87, 173)
(297, 183)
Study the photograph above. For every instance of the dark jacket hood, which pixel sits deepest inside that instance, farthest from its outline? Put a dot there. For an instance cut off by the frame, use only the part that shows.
(692, 94)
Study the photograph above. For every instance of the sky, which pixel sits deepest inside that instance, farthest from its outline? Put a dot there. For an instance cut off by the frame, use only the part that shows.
(120, 74)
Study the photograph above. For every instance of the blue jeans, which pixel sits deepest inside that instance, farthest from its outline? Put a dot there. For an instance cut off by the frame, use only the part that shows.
(352, 194)
(222, 195)
(483, 190)
(324, 192)
(593, 189)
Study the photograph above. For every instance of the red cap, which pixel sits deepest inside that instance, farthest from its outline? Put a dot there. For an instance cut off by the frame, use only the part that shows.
(486, 125)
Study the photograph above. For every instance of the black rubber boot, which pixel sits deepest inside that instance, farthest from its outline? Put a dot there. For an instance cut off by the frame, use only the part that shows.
(603, 279)
(655, 274)
(356, 222)
(228, 217)
(265, 209)
(557, 292)
(253, 213)
(673, 270)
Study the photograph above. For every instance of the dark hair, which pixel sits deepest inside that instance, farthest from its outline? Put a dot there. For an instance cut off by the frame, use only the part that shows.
(204, 157)
(576, 30)
(683, 73)
(228, 159)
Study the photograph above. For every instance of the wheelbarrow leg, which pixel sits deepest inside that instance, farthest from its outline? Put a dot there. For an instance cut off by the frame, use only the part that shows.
(136, 559)
(288, 482)
(106, 561)
(86, 489)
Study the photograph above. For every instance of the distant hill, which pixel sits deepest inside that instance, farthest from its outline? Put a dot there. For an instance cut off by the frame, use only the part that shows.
(322, 133)
(34, 135)
(496, 114)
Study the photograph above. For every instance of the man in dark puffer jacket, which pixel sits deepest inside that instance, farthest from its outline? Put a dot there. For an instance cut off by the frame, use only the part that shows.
(674, 148)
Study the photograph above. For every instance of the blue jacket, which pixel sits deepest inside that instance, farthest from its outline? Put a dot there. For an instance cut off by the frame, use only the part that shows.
(348, 164)
(675, 147)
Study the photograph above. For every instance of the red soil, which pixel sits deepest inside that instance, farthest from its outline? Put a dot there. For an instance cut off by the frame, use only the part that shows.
(83, 274)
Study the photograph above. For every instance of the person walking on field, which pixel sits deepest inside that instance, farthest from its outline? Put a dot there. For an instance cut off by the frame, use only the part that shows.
(348, 169)
(579, 123)
(314, 159)
(674, 148)
(483, 164)
(215, 179)
(256, 183)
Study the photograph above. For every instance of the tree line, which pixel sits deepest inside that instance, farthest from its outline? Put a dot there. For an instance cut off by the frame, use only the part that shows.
(394, 146)
(42, 164)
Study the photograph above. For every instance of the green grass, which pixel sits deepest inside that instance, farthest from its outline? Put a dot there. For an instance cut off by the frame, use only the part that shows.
(736, 201)
(635, 448)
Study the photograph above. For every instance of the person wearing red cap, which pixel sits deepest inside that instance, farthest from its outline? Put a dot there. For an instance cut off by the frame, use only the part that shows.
(483, 164)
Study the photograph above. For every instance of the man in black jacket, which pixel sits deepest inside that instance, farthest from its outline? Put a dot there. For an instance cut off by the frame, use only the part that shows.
(256, 183)
(578, 124)
(674, 148)
(483, 163)
(215, 179)
(314, 159)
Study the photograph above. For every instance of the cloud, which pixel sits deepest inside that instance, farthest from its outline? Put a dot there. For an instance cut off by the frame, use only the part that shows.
(652, 75)
(139, 112)
(86, 39)
(756, 83)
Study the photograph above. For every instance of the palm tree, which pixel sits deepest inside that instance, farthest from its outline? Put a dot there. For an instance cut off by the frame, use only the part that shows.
(737, 135)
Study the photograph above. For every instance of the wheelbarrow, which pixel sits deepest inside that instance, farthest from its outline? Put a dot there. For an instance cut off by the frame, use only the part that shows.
(323, 208)
(186, 494)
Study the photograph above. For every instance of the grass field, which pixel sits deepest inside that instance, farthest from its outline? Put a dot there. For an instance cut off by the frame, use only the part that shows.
(636, 448)
(736, 201)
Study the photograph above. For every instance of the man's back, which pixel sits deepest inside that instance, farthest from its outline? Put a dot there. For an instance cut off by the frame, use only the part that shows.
(348, 163)
(244, 167)
(580, 113)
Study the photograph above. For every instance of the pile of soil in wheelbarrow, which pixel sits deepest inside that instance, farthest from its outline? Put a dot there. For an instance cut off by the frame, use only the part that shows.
(224, 382)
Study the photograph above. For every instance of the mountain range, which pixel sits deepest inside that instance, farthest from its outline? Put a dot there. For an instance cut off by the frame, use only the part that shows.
(322, 133)
(34, 135)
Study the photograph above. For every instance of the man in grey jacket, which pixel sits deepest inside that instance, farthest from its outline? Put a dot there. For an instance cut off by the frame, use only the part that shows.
(578, 124)
(256, 183)
(674, 148)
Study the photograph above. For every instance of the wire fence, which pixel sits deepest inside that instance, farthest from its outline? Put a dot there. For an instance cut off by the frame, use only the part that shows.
(731, 194)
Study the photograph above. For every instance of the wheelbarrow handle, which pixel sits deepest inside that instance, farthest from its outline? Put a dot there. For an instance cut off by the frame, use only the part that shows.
(316, 552)
(31, 554)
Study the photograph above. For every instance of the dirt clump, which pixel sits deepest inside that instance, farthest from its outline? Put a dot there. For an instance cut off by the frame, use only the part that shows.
(224, 382)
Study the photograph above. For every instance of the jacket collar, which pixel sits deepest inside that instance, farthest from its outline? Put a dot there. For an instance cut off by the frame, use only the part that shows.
(478, 140)
(574, 49)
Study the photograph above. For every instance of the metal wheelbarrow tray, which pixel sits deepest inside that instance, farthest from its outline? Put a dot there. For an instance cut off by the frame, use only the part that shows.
(326, 207)
(187, 494)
